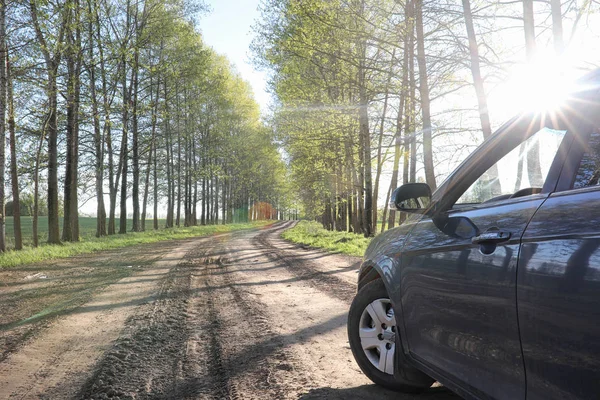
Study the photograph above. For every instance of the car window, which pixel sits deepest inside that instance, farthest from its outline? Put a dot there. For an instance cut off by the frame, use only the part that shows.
(588, 173)
(521, 172)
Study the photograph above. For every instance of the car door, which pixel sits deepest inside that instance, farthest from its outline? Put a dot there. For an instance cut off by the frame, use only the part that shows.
(558, 283)
(458, 284)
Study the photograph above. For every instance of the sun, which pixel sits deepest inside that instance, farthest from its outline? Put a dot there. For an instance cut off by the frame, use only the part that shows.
(543, 85)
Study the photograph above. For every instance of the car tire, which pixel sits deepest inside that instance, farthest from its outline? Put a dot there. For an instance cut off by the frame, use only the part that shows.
(372, 336)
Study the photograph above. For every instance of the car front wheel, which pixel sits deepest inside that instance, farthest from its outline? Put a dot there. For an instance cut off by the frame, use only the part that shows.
(372, 336)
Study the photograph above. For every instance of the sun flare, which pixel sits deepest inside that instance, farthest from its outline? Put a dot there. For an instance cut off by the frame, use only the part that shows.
(543, 85)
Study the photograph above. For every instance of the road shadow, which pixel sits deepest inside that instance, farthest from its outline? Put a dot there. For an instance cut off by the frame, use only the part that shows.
(376, 392)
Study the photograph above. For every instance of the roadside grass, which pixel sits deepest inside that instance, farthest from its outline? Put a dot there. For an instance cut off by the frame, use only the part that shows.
(87, 229)
(89, 245)
(313, 234)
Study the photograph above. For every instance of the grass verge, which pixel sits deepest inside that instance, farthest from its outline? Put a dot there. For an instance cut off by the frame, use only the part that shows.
(48, 252)
(87, 229)
(313, 234)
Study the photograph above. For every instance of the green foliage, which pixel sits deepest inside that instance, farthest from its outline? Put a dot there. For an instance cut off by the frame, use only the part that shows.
(49, 252)
(151, 92)
(324, 75)
(313, 234)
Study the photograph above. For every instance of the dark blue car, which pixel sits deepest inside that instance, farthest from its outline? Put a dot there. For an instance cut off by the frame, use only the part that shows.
(492, 284)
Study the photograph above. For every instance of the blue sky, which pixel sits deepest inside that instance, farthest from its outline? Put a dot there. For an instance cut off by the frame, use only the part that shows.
(227, 28)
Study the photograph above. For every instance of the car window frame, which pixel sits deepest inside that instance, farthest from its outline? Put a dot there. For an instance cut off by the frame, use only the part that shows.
(585, 111)
(574, 158)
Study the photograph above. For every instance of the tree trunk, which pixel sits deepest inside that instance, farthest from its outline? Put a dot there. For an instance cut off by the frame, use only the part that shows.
(36, 189)
(425, 101)
(67, 233)
(380, 142)
(3, 80)
(178, 219)
(74, 61)
(172, 194)
(168, 223)
(195, 201)
(484, 115)
(476, 71)
(409, 130)
(204, 196)
(147, 185)
(167, 134)
(224, 202)
(52, 63)
(529, 29)
(107, 130)
(155, 189)
(216, 205)
(534, 170)
(124, 151)
(113, 179)
(13, 158)
(408, 53)
(557, 28)
(98, 139)
(135, 161)
(53, 229)
(365, 135)
(151, 150)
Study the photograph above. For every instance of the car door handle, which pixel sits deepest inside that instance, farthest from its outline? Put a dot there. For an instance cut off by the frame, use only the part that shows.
(491, 237)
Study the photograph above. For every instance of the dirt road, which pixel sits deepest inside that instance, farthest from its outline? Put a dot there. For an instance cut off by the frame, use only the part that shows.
(235, 316)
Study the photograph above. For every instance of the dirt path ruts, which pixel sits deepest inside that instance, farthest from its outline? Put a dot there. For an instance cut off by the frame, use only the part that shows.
(204, 337)
(324, 280)
(56, 359)
(238, 316)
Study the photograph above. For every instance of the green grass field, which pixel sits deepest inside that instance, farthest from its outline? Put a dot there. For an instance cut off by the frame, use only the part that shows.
(87, 229)
(89, 243)
(312, 234)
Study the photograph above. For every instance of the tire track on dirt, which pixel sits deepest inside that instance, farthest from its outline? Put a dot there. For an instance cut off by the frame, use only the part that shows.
(323, 281)
(203, 337)
(248, 354)
(214, 329)
(58, 361)
(143, 362)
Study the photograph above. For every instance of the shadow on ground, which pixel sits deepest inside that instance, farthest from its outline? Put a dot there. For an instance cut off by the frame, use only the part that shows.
(374, 391)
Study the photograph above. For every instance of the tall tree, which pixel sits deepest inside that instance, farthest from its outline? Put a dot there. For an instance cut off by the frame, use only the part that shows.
(98, 137)
(557, 26)
(476, 71)
(398, 142)
(73, 59)
(3, 54)
(14, 173)
(425, 100)
(478, 83)
(52, 53)
(534, 170)
(529, 29)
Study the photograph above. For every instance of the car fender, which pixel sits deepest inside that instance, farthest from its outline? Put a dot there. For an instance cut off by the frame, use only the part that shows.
(382, 257)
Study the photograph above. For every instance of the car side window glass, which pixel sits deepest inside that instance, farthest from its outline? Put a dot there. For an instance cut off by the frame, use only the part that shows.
(588, 173)
(521, 172)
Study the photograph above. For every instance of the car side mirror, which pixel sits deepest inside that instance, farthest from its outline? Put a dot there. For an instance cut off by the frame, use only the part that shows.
(411, 197)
